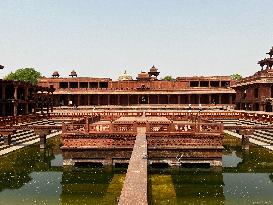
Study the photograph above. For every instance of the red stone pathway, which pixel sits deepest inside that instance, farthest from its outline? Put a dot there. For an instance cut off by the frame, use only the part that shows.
(134, 191)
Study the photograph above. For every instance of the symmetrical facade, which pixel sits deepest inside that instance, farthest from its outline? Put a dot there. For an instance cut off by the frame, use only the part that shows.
(146, 89)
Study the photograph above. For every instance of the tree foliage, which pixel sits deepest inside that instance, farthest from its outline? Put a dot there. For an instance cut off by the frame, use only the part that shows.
(168, 78)
(25, 74)
(236, 76)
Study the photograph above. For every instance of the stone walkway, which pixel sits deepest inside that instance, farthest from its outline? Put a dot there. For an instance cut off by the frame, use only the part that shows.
(134, 191)
(19, 146)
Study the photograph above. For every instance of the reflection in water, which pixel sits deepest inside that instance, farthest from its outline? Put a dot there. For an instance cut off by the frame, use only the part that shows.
(186, 187)
(31, 176)
(91, 186)
(231, 160)
(245, 179)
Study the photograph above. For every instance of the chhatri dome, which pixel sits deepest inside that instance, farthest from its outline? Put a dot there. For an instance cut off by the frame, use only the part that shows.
(125, 76)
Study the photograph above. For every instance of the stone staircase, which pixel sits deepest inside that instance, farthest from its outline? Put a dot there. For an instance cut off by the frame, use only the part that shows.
(23, 136)
(264, 137)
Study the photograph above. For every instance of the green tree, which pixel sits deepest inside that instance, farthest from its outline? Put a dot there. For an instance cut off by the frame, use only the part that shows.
(168, 78)
(236, 76)
(25, 74)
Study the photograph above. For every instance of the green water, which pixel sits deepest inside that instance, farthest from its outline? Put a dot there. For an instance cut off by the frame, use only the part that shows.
(30, 176)
(246, 178)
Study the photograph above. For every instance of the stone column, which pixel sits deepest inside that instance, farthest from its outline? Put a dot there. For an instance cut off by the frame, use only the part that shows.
(148, 96)
(118, 99)
(230, 99)
(15, 104)
(26, 100)
(168, 102)
(245, 138)
(7, 139)
(108, 99)
(42, 135)
(42, 103)
(3, 97)
(178, 99)
(209, 98)
(157, 99)
(47, 102)
(220, 98)
(138, 99)
(261, 107)
(88, 99)
(52, 101)
(128, 99)
(189, 98)
(199, 99)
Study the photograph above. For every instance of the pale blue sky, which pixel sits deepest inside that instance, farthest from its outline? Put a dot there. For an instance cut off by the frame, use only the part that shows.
(103, 38)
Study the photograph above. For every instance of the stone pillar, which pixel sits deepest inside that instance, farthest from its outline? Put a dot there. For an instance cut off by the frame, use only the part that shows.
(7, 139)
(42, 103)
(148, 96)
(220, 98)
(261, 107)
(189, 98)
(168, 101)
(47, 102)
(15, 104)
(88, 99)
(138, 99)
(42, 135)
(79, 100)
(157, 99)
(52, 101)
(118, 99)
(128, 99)
(209, 98)
(230, 99)
(245, 137)
(108, 99)
(3, 97)
(178, 99)
(199, 99)
(26, 100)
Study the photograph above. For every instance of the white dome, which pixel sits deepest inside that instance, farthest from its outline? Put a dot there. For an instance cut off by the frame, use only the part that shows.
(125, 76)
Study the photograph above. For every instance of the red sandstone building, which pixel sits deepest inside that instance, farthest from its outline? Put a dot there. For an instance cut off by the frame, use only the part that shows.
(256, 92)
(22, 98)
(146, 89)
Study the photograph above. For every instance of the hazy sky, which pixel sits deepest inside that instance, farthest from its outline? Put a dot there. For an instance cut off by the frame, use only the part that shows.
(103, 38)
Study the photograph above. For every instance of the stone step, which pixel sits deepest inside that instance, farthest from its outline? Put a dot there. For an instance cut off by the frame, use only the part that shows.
(262, 139)
(264, 136)
(265, 132)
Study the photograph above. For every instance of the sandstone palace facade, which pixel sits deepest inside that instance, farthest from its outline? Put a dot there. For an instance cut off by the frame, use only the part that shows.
(145, 89)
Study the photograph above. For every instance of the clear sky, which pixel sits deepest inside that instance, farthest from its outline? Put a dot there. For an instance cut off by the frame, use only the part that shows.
(102, 38)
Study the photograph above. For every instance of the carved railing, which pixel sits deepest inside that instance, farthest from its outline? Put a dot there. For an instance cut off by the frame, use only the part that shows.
(13, 120)
(73, 128)
(185, 127)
